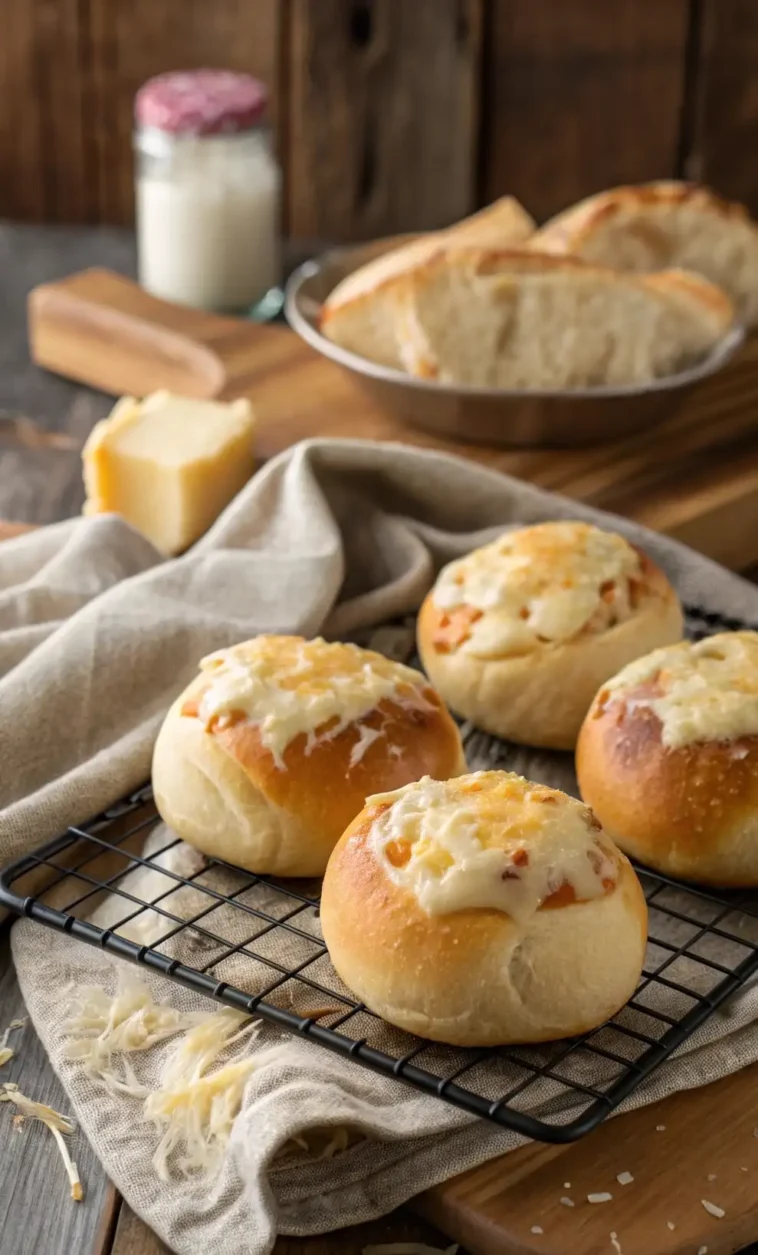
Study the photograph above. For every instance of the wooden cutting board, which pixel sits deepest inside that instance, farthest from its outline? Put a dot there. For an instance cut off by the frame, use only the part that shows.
(695, 476)
(706, 1132)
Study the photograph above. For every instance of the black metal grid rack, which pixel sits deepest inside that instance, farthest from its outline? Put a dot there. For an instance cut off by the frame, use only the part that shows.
(703, 946)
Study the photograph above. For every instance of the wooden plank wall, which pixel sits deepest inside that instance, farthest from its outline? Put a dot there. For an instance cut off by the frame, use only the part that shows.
(390, 115)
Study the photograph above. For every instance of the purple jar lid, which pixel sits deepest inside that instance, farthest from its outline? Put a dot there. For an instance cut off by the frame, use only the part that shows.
(201, 102)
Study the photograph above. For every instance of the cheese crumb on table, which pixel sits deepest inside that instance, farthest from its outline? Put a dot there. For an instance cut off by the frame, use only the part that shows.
(567, 1202)
(713, 1210)
(536, 1229)
(625, 1178)
(169, 465)
(599, 1198)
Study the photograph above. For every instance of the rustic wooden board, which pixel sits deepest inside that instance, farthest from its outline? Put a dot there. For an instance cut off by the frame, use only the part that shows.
(492, 1209)
(37, 1216)
(581, 96)
(693, 475)
(726, 99)
(383, 115)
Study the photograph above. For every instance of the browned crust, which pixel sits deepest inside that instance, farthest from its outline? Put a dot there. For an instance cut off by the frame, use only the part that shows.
(573, 225)
(518, 262)
(677, 810)
(366, 915)
(321, 788)
(684, 282)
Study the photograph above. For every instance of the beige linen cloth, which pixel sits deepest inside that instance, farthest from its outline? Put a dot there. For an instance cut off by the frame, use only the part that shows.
(97, 636)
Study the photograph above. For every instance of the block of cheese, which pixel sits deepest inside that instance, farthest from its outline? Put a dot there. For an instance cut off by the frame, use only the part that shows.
(169, 464)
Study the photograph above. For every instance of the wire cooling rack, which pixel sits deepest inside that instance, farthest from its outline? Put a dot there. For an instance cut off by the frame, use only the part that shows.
(123, 883)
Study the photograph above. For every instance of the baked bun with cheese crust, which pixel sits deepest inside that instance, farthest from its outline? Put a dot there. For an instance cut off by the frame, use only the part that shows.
(270, 752)
(483, 911)
(668, 758)
(519, 635)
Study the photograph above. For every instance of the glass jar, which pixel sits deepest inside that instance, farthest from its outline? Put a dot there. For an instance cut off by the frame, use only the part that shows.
(208, 192)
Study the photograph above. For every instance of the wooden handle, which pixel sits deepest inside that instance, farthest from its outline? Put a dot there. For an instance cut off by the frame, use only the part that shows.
(8, 530)
(103, 330)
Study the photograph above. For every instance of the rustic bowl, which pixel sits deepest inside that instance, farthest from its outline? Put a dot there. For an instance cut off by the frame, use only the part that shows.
(491, 416)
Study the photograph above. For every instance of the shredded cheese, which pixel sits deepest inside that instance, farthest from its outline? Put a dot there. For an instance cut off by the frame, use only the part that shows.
(702, 691)
(540, 586)
(288, 686)
(128, 1021)
(6, 1051)
(55, 1122)
(567, 1202)
(192, 1108)
(489, 839)
(615, 1243)
(599, 1198)
(713, 1210)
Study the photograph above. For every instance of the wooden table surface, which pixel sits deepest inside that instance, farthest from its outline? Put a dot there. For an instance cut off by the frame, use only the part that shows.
(40, 486)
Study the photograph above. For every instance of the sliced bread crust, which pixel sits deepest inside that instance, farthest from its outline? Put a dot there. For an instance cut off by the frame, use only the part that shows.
(655, 226)
(359, 314)
(516, 319)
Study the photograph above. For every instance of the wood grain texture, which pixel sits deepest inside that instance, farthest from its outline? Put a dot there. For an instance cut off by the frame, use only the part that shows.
(45, 163)
(36, 1213)
(130, 40)
(383, 115)
(726, 126)
(581, 96)
(133, 1237)
(704, 1132)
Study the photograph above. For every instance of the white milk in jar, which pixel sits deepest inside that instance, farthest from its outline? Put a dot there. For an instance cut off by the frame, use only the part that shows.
(208, 190)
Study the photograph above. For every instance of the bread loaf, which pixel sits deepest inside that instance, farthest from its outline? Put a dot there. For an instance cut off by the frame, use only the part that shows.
(658, 225)
(359, 314)
(519, 320)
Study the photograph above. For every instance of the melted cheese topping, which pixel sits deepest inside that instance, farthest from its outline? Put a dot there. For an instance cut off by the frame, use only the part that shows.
(706, 691)
(540, 585)
(287, 686)
(489, 840)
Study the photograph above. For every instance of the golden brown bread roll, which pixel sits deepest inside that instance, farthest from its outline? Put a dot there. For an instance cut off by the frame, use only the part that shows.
(519, 635)
(271, 751)
(483, 910)
(668, 758)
